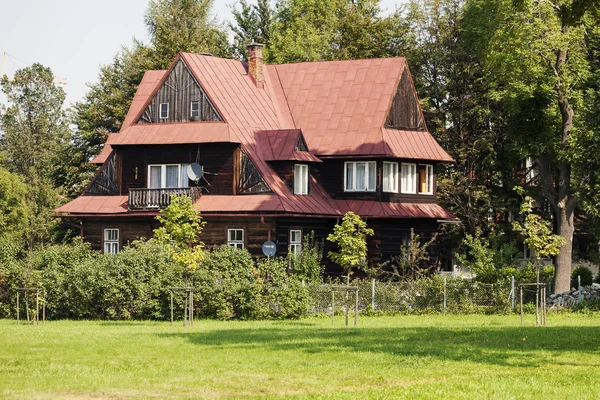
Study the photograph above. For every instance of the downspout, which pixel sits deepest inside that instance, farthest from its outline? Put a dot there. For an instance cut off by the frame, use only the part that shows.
(262, 221)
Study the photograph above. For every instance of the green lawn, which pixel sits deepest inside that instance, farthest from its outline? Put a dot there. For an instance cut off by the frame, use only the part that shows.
(441, 357)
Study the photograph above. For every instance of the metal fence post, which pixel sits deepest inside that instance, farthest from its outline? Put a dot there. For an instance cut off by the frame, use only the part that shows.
(373, 295)
(579, 289)
(512, 292)
(444, 293)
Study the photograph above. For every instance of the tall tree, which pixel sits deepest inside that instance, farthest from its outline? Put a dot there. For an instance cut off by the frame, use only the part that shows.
(184, 25)
(538, 52)
(252, 24)
(34, 126)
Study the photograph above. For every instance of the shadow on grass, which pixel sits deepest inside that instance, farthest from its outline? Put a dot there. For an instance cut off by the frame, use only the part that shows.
(504, 346)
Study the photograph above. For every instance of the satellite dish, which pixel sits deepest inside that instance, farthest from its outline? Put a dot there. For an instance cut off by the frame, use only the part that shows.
(195, 172)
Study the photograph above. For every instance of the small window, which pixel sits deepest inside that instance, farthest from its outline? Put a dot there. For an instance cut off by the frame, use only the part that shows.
(164, 110)
(425, 179)
(295, 241)
(235, 238)
(111, 241)
(409, 178)
(167, 176)
(195, 109)
(360, 176)
(390, 177)
(300, 179)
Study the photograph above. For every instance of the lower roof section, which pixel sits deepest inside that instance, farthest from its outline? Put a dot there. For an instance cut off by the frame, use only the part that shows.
(101, 206)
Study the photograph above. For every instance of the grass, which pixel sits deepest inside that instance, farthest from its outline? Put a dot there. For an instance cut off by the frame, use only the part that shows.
(411, 357)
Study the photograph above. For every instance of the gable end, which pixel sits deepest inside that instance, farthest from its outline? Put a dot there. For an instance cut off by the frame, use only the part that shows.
(179, 90)
(405, 112)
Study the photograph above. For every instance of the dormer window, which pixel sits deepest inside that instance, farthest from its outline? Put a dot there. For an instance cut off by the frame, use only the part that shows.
(164, 111)
(300, 179)
(360, 176)
(194, 109)
(425, 179)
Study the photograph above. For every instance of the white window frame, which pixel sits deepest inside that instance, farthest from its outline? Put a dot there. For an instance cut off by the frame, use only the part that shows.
(295, 241)
(390, 180)
(160, 111)
(353, 166)
(192, 109)
(182, 177)
(408, 178)
(428, 179)
(300, 179)
(111, 240)
(233, 241)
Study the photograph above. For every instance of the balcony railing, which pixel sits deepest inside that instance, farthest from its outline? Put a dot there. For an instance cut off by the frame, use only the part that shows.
(141, 199)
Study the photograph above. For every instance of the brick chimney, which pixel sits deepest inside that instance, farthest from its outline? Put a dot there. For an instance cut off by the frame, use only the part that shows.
(255, 64)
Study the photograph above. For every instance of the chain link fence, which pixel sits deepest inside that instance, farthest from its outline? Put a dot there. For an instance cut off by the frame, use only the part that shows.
(437, 294)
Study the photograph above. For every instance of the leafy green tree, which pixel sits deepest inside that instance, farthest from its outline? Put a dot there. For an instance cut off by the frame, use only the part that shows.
(490, 257)
(252, 24)
(315, 30)
(351, 239)
(409, 263)
(33, 124)
(537, 234)
(183, 25)
(14, 212)
(180, 232)
(538, 54)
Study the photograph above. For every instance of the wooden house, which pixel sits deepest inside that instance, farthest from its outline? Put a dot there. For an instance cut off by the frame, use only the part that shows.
(284, 150)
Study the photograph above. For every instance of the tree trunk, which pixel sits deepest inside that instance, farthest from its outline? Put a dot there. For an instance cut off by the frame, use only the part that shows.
(565, 228)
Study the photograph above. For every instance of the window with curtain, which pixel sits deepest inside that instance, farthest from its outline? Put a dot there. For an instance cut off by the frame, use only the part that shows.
(162, 176)
(360, 176)
(390, 176)
(300, 179)
(409, 178)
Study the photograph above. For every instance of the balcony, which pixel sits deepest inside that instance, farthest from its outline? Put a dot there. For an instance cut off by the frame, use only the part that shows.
(152, 199)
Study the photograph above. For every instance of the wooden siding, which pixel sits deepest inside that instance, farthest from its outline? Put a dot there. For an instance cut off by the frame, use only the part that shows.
(106, 180)
(178, 90)
(214, 157)
(405, 112)
(331, 175)
(386, 242)
(249, 178)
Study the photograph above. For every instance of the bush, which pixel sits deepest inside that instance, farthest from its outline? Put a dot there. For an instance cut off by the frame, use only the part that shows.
(586, 276)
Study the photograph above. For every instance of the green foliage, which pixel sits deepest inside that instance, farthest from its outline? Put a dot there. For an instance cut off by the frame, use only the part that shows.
(409, 263)
(183, 25)
(33, 124)
(308, 265)
(15, 213)
(283, 294)
(315, 30)
(587, 278)
(537, 233)
(490, 258)
(351, 239)
(180, 232)
(252, 24)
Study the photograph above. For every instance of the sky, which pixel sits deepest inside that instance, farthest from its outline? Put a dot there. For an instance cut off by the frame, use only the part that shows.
(75, 37)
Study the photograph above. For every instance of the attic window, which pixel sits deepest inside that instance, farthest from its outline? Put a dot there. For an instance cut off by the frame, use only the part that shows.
(195, 109)
(164, 111)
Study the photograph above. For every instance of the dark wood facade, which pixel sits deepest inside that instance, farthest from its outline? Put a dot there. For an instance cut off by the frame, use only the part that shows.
(179, 90)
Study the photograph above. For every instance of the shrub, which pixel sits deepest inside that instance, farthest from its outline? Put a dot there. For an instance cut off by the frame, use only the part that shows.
(283, 294)
(586, 276)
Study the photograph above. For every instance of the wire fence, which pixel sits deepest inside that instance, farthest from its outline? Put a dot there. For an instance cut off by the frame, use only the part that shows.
(437, 294)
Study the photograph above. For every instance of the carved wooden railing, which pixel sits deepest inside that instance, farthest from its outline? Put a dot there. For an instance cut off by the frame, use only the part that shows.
(140, 199)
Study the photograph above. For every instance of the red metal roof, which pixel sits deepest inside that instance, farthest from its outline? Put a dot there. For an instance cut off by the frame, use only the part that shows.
(340, 106)
(279, 145)
(96, 205)
(414, 145)
(179, 133)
